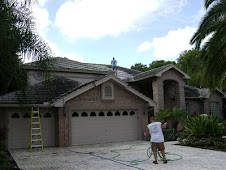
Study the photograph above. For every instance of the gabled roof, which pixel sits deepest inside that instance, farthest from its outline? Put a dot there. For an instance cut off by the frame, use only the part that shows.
(59, 102)
(194, 92)
(157, 72)
(60, 90)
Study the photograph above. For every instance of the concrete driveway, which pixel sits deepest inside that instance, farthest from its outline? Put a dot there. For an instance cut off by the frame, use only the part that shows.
(99, 157)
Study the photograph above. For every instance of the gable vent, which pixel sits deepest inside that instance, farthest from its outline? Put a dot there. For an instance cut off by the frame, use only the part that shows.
(108, 91)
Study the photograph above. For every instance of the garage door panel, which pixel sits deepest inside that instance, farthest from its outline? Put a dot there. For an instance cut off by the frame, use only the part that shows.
(101, 129)
(19, 130)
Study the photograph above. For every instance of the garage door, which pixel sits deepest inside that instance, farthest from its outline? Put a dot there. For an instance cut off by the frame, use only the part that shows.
(103, 126)
(19, 126)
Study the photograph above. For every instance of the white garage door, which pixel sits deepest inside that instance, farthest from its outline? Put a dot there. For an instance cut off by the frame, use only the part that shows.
(100, 126)
(19, 126)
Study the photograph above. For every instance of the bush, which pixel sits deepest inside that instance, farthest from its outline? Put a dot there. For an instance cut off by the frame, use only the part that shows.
(171, 114)
(204, 126)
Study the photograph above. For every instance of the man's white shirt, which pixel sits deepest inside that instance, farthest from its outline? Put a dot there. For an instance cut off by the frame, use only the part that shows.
(155, 130)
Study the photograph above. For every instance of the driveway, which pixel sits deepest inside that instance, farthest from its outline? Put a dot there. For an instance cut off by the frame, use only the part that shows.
(100, 157)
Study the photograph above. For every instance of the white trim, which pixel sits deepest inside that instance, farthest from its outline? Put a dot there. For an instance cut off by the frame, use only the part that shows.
(60, 102)
(103, 92)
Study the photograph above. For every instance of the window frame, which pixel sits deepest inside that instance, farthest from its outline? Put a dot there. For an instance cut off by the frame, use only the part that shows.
(103, 87)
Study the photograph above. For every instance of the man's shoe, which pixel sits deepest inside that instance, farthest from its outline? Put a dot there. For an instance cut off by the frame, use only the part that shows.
(155, 162)
(165, 162)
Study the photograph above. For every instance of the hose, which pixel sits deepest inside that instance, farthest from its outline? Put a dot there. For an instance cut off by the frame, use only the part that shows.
(132, 163)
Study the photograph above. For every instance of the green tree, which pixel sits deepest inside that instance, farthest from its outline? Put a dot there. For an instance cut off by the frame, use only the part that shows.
(139, 67)
(159, 63)
(18, 39)
(214, 50)
(190, 62)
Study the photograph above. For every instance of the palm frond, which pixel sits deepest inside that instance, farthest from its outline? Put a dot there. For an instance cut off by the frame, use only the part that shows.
(209, 22)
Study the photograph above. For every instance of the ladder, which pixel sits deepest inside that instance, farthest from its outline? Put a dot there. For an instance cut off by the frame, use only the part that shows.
(35, 130)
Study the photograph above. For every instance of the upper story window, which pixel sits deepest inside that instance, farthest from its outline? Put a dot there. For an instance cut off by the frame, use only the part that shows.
(39, 75)
(108, 91)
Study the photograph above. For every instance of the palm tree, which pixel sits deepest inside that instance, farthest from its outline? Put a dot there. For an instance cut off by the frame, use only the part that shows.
(214, 50)
(18, 37)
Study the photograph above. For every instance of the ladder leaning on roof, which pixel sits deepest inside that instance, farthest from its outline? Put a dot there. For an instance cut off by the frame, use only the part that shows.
(35, 129)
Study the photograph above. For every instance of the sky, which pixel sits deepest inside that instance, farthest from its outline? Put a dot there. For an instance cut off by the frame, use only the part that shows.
(132, 31)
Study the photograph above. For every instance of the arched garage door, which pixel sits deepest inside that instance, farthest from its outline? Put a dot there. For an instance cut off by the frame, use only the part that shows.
(19, 126)
(103, 126)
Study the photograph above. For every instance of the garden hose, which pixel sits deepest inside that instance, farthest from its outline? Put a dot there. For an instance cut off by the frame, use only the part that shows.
(132, 163)
(149, 152)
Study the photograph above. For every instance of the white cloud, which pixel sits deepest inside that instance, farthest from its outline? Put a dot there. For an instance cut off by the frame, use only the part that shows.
(42, 2)
(42, 19)
(170, 46)
(95, 19)
(74, 57)
(58, 52)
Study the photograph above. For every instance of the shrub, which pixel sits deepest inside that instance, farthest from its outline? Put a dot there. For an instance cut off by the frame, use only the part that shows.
(204, 126)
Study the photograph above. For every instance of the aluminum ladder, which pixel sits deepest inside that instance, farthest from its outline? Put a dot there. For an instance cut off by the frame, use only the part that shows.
(36, 140)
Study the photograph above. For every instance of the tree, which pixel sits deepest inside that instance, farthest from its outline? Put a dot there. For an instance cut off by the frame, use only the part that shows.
(159, 63)
(139, 67)
(214, 50)
(18, 39)
(190, 62)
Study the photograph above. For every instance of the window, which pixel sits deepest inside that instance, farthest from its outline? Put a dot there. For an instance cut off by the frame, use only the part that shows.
(15, 115)
(47, 115)
(107, 91)
(92, 114)
(101, 114)
(132, 113)
(39, 75)
(26, 115)
(84, 114)
(75, 114)
(187, 107)
(117, 113)
(109, 114)
(125, 113)
(214, 108)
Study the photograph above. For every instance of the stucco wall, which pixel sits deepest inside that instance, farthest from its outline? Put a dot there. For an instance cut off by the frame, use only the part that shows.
(80, 77)
(91, 100)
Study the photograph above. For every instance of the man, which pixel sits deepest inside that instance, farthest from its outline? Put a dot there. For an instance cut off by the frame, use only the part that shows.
(113, 63)
(157, 138)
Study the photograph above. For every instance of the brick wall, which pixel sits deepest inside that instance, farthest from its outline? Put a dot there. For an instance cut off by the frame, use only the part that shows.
(158, 91)
(195, 106)
(91, 100)
(62, 128)
(215, 97)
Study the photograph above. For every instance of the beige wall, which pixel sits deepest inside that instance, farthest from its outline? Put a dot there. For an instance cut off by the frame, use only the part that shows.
(80, 77)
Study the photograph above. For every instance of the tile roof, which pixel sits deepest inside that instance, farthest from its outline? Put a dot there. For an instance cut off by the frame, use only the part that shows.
(65, 63)
(60, 62)
(41, 92)
(194, 92)
(150, 73)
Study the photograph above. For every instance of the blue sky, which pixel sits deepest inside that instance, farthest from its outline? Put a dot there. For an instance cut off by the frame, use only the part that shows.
(132, 31)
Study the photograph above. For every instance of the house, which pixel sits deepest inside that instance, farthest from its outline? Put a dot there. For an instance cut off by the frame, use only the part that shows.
(85, 103)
